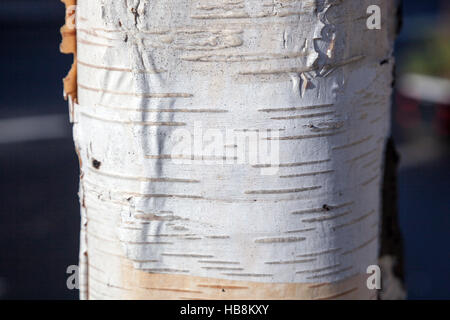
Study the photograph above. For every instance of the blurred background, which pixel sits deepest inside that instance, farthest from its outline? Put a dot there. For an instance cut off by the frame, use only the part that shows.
(39, 211)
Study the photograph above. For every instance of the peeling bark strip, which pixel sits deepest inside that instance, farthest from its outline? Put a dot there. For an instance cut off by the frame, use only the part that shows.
(309, 68)
(69, 46)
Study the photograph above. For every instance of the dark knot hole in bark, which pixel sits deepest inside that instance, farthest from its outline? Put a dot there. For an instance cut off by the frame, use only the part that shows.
(96, 164)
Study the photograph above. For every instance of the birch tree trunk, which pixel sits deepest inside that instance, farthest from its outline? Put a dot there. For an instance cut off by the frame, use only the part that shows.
(173, 98)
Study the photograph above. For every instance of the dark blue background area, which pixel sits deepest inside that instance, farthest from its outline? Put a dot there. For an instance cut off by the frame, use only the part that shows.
(39, 211)
(412, 7)
(425, 222)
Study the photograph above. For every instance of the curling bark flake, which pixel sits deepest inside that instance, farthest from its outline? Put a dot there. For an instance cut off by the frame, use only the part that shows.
(69, 46)
(307, 69)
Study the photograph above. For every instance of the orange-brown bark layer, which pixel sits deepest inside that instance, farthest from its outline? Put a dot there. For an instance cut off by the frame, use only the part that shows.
(69, 46)
(114, 277)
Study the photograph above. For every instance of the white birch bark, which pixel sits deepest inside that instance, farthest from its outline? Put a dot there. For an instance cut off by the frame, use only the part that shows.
(309, 70)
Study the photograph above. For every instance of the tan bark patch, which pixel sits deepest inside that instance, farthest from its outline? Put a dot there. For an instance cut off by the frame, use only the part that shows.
(123, 281)
(68, 46)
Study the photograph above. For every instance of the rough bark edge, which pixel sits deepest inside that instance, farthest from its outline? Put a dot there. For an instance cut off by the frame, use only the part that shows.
(391, 248)
(69, 46)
